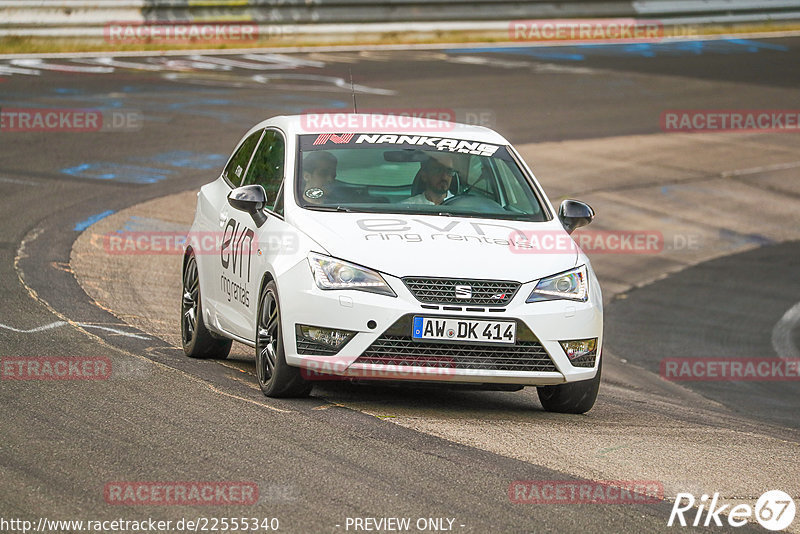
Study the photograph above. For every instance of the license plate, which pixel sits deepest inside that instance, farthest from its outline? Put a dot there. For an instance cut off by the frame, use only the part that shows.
(464, 330)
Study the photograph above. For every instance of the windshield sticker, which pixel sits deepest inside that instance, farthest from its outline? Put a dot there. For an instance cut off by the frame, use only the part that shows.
(314, 193)
(460, 146)
(334, 138)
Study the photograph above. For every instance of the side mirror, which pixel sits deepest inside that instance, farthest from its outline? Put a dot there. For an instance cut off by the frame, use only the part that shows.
(251, 199)
(574, 214)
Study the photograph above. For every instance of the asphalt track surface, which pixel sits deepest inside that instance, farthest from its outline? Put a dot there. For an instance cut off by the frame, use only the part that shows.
(321, 460)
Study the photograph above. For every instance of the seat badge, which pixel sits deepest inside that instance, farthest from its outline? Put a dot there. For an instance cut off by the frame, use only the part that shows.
(463, 292)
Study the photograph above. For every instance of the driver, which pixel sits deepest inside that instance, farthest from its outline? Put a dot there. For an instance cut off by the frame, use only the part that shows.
(435, 173)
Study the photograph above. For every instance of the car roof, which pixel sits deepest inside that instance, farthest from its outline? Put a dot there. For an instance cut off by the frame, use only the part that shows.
(380, 123)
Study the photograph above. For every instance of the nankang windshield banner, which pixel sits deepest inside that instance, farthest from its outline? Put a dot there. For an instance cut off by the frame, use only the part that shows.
(329, 141)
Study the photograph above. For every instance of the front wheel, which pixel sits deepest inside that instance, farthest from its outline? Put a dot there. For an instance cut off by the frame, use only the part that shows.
(275, 377)
(197, 341)
(573, 397)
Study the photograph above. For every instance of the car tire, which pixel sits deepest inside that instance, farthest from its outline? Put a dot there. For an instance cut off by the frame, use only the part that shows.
(196, 339)
(275, 377)
(573, 397)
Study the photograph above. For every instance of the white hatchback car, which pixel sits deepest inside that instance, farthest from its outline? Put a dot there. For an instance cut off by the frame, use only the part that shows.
(408, 255)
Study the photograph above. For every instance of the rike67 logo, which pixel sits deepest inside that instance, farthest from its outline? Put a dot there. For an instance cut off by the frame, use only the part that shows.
(774, 510)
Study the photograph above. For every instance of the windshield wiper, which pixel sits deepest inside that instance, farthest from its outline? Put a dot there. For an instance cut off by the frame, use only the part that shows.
(329, 208)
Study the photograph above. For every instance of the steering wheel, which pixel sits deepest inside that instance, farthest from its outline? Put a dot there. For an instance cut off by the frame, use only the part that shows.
(473, 202)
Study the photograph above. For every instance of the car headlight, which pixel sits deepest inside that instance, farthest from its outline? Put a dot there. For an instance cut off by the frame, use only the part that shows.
(569, 285)
(330, 273)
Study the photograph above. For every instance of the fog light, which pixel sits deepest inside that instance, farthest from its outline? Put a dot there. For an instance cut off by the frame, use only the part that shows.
(324, 336)
(579, 347)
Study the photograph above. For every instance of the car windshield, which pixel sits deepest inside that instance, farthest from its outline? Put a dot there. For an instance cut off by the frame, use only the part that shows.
(413, 174)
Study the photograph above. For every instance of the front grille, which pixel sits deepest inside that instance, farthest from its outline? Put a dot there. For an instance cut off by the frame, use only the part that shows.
(444, 291)
(402, 350)
(305, 346)
(584, 361)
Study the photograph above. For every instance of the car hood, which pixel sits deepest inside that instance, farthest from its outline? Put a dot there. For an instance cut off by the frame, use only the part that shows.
(454, 247)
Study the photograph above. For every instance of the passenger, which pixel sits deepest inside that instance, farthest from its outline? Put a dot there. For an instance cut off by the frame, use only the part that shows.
(319, 176)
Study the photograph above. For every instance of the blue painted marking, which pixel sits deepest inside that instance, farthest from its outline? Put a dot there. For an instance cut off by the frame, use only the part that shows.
(131, 174)
(150, 224)
(193, 101)
(639, 49)
(757, 239)
(186, 158)
(759, 44)
(67, 91)
(200, 102)
(199, 107)
(417, 327)
(580, 51)
(83, 225)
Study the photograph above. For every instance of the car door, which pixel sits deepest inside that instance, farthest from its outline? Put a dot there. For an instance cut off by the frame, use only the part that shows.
(213, 216)
(246, 248)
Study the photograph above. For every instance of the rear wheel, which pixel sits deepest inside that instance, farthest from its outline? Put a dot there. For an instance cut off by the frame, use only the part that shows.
(275, 377)
(197, 341)
(573, 397)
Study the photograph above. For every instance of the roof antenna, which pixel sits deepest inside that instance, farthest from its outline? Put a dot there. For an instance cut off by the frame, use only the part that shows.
(352, 90)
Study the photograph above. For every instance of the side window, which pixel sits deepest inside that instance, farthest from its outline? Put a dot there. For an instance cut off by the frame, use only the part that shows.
(266, 168)
(234, 171)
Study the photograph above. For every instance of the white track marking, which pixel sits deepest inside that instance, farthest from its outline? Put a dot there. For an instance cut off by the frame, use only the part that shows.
(5, 69)
(58, 324)
(40, 64)
(240, 64)
(282, 61)
(332, 80)
(510, 64)
(764, 168)
(111, 62)
(183, 64)
(490, 61)
(18, 182)
(782, 340)
(50, 326)
(196, 80)
(112, 330)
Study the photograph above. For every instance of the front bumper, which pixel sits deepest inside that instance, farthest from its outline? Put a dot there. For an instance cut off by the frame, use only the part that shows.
(387, 351)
